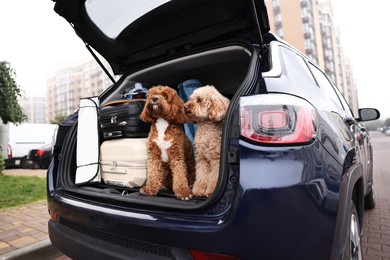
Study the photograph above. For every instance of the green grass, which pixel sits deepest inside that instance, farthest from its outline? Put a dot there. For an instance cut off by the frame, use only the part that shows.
(21, 190)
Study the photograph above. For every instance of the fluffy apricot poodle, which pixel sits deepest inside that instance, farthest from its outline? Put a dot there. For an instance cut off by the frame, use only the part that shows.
(207, 107)
(171, 162)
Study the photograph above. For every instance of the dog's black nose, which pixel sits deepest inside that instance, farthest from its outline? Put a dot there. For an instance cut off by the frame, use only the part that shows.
(155, 99)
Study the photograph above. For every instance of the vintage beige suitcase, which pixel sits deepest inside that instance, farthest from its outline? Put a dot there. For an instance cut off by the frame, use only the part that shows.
(123, 162)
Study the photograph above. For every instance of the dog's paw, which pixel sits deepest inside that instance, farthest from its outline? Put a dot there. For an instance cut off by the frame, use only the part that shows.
(147, 192)
(184, 194)
(187, 198)
(199, 190)
(210, 189)
(142, 191)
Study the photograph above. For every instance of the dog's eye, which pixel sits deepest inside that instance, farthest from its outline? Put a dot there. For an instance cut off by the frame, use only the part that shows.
(199, 100)
(165, 97)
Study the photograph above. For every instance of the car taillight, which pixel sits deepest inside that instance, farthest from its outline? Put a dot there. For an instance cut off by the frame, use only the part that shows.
(9, 151)
(39, 152)
(197, 255)
(277, 119)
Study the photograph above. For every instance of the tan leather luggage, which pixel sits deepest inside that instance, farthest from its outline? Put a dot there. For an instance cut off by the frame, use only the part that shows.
(123, 162)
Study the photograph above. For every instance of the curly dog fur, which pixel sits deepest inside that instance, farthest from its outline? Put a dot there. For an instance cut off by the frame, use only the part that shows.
(171, 162)
(207, 107)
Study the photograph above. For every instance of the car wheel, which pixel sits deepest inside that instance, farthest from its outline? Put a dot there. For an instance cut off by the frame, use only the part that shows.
(353, 247)
(23, 163)
(387, 132)
(369, 199)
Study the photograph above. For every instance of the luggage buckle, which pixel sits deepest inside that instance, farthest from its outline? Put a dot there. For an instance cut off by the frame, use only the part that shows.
(122, 123)
(113, 165)
(113, 119)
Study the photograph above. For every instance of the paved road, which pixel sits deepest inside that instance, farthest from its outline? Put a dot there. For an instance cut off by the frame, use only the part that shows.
(376, 223)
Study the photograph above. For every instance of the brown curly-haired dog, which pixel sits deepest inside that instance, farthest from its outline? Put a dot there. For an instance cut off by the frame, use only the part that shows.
(171, 161)
(207, 107)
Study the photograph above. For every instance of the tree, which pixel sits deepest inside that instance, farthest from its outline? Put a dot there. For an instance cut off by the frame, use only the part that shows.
(10, 110)
(58, 119)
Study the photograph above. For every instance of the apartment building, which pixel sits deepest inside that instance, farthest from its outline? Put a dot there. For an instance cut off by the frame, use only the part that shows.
(308, 26)
(34, 107)
(72, 81)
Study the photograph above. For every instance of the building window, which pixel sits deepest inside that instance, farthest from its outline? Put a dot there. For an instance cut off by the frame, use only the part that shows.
(279, 32)
(278, 17)
(275, 3)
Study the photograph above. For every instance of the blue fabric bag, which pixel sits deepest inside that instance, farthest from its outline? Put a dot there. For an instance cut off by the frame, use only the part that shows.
(185, 90)
(135, 92)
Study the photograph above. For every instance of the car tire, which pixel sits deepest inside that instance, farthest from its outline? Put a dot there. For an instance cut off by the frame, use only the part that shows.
(369, 199)
(353, 246)
(23, 163)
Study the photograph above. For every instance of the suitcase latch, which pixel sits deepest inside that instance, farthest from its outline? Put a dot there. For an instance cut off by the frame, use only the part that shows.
(113, 119)
(113, 165)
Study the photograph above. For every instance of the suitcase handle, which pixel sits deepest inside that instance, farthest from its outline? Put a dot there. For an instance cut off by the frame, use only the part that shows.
(116, 102)
(114, 122)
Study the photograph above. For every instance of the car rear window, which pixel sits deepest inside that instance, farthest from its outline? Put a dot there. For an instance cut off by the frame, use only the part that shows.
(111, 17)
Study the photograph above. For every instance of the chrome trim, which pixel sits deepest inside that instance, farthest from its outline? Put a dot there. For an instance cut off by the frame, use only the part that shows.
(276, 69)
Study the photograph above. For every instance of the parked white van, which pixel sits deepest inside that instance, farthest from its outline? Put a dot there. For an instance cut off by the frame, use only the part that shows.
(23, 138)
(4, 134)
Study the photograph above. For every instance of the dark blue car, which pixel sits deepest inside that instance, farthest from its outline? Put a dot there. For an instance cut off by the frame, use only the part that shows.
(295, 170)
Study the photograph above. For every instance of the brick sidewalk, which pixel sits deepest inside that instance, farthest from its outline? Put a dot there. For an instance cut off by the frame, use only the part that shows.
(376, 223)
(23, 226)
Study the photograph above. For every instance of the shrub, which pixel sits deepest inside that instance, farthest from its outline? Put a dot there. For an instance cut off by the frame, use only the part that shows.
(1, 163)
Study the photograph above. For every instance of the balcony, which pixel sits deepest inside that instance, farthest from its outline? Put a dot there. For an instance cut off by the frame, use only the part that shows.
(309, 51)
(305, 3)
(306, 19)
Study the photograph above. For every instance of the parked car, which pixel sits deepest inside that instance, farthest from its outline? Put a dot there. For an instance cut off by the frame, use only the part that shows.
(293, 179)
(24, 137)
(40, 158)
(386, 130)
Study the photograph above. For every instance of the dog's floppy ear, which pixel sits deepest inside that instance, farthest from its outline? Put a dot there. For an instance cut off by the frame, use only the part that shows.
(218, 108)
(145, 116)
(176, 114)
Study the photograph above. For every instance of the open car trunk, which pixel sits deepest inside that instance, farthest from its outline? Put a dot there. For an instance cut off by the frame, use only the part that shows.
(232, 68)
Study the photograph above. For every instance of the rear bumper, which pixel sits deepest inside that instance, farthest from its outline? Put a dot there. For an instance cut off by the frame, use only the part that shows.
(78, 242)
(285, 224)
(13, 162)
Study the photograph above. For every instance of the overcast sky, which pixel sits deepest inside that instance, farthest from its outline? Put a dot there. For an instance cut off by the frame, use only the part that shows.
(34, 39)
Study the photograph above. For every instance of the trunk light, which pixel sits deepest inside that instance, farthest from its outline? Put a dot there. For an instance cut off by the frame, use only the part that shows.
(277, 119)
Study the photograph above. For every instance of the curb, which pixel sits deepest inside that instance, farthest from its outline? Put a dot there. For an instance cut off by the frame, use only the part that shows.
(40, 250)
